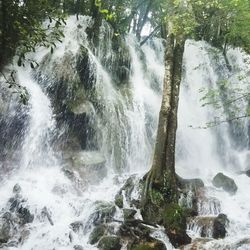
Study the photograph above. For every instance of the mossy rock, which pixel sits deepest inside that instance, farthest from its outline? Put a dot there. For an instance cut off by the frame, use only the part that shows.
(97, 233)
(174, 221)
(119, 200)
(128, 214)
(190, 184)
(104, 212)
(154, 245)
(219, 226)
(109, 243)
(225, 182)
(153, 209)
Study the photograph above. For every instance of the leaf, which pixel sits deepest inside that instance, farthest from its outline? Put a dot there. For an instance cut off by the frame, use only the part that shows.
(32, 65)
(104, 11)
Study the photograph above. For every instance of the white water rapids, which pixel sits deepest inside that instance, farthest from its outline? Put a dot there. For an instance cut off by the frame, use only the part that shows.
(127, 127)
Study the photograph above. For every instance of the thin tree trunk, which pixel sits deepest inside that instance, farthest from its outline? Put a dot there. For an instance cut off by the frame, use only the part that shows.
(162, 175)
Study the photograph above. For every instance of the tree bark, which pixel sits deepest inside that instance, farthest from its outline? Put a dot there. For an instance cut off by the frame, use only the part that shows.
(162, 175)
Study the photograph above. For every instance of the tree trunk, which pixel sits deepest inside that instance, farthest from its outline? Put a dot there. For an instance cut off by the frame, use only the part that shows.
(162, 175)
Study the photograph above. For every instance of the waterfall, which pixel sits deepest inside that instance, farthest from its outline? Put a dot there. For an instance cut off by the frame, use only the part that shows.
(88, 110)
(204, 152)
(118, 120)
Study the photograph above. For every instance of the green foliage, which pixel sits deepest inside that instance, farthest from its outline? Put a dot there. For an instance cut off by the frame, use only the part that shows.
(18, 89)
(22, 27)
(22, 30)
(223, 22)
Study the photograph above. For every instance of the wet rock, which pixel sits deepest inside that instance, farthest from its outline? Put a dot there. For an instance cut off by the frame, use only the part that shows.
(190, 184)
(134, 230)
(109, 243)
(128, 214)
(69, 173)
(119, 200)
(24, 235)
(174, 221)
(25, 216)
(151, 245)
(248, 173)
(203, 225)
(125, 193)
(76, 226)
(219, 227)
(78, 247)
(83, 107)
(210, 226)
(242, 244)
(46, 213)
(6, 230)
(153, 210)
(17, 189)
(97, 233)
(197, 244)
(90, 165)
(104, 213)
(225, 182)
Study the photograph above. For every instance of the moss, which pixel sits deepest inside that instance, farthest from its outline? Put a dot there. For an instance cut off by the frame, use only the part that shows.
(156, 197)
(109, 243)
(154, 245)
(97, 233)
(119, 200)
(174, 218)
(174, 221)
(143, 247)
(169, 189)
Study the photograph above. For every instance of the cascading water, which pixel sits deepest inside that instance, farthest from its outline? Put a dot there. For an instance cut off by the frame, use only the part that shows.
(124, 118)
(205, 152)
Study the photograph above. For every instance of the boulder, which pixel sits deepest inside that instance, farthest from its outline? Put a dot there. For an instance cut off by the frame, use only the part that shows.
(6, 230)
(78, 247)
(128, 214)
(210, 226)
(151, 245)
(125, 193)
(97, 233)
(76, 226)
(225, 182)
(103, 213)
(24, 215)
(190, 184)
(90, 165)
(83, 107)
(109, 243)
(119, 200)
(196, 244)
(219, 226)
(174, 221)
